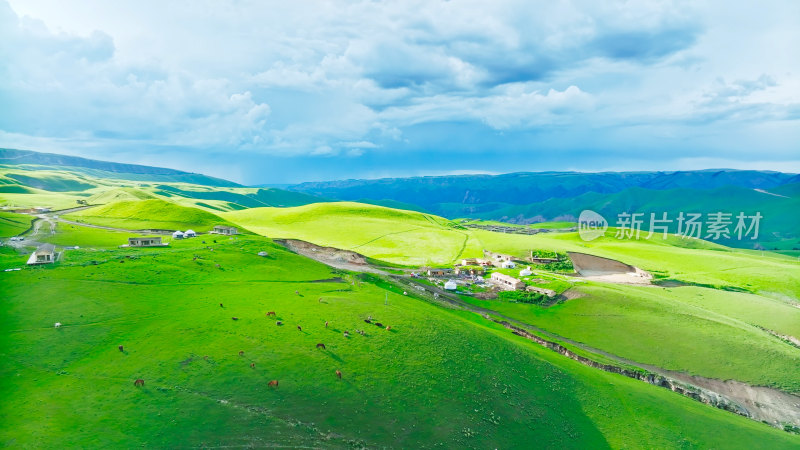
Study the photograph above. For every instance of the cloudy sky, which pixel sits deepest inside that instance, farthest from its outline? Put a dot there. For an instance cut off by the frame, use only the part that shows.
(280, 92)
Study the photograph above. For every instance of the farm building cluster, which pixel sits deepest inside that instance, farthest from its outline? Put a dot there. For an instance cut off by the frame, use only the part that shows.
(470, 274)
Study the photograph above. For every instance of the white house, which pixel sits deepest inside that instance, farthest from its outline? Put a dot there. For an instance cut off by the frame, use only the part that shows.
(189, 234)
(222, 229)
(508, 265)
(45, 254)
(450, 285)
(526, 272)
(177, 235)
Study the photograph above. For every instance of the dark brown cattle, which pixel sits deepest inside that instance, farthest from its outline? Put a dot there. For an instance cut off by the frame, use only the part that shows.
(378, 324)
(279, 323)
(299, 328)
(138, 382)
(273, 383)
(339, 374)
(270, 313)
(220, 305)
(321, 345)
(241, 352)
(252, 365)
(346, 333)
(121, 348)
(367, 320)
(326, 324)
(234, 318)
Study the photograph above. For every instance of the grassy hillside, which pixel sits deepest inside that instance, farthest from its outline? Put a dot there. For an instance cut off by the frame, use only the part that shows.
(439, 378)
(12, 224)
(31, 160)
(691, 260)
(707, 332)
(403, 237)
(148, 214)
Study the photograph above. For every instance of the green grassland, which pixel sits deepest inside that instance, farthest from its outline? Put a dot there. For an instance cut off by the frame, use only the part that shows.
(438, 378)
(12, 224)
(700, 331)
(395, 236)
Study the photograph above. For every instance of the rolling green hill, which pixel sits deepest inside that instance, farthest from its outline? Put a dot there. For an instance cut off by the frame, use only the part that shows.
(148, 214)
(438, 378)
(397, 236)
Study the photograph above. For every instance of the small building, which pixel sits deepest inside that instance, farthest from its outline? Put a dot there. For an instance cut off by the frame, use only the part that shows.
(439, 272)
(470, 270)
(469, 262)
(177, 235)
(189, 234)
(228, 231)
(548, 292)
(45, 254)
(451, 285)
(145, 241)
(526, 272)
(508, 265)
(507, 282)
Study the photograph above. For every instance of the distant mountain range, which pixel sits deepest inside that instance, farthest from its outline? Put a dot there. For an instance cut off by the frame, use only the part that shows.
(484, 193)
(107, 169)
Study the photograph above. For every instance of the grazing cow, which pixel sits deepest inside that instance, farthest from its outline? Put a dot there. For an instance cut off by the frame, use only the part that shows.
(138, 382)
(321, 345)
(346, 333)
(326, 324)
(299, 328)
(297, 292)
(273, 383)
(220, 305)
(121, 348)
(378, 324)
(388, 328)
(367, 320)
(252, 365)
(205, 357)
(241, 352)
(270, 313)
(122, 260)
(339, 374)
(234, 318)
(57, 325)
(320, 300)
(279, 323)
(217, 265)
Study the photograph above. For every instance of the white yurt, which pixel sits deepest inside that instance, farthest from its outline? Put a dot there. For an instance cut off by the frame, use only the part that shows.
(525, 272)
(177, 235)
(450, 285)
(508, 265)
(189, 233)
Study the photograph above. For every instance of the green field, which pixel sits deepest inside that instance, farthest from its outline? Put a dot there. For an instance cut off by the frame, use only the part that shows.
(11, 224)
(439, 377)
